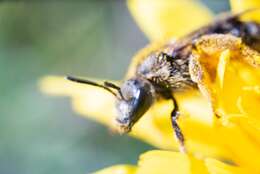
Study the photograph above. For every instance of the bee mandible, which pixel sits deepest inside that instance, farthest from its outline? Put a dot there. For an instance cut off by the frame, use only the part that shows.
(172, 68)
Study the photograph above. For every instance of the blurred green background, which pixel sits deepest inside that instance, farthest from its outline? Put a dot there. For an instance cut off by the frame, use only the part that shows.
(41, 134)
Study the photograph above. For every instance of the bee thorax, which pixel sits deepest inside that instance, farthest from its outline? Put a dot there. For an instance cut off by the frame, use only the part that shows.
(164, 70)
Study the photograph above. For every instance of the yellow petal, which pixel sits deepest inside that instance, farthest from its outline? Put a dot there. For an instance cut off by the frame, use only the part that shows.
(118, 169)
(166, 162)
(218, 167)
(251, 127)
(245, 149)
(223, 60)
(93, 102)
(241, 5)
(161, 19)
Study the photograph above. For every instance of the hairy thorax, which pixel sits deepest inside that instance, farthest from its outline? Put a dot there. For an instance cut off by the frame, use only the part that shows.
(166, 72)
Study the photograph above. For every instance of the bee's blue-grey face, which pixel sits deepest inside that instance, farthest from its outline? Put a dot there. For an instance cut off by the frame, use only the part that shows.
(138, 95)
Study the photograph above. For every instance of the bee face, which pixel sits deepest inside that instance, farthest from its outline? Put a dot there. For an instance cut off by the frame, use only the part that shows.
(137, 97)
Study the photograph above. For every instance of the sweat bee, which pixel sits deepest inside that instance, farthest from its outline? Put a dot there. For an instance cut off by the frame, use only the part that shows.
(173, 68)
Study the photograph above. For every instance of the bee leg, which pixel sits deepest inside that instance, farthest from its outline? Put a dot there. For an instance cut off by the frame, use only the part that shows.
(178, 133)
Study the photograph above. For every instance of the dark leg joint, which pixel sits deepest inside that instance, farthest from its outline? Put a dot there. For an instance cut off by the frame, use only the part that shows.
(177, 130)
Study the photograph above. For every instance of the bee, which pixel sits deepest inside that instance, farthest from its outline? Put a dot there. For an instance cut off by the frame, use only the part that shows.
(173, 68)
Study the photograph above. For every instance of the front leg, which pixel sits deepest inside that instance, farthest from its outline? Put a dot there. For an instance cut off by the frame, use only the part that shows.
(178, 133)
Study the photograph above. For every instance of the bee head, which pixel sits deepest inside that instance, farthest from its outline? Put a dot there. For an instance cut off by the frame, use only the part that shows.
(137, 95)
(133, 99)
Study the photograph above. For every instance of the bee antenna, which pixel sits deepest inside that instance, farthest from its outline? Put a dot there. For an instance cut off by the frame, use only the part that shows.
(106, 86)
(111, 85)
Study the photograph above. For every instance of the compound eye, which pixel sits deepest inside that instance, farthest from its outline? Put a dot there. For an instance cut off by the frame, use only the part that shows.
(141, 103)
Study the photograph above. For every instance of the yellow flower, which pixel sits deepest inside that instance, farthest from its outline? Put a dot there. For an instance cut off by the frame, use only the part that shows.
(229, 145)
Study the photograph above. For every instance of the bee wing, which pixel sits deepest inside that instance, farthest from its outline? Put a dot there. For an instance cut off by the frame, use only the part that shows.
(219, 20)
(231, 16)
